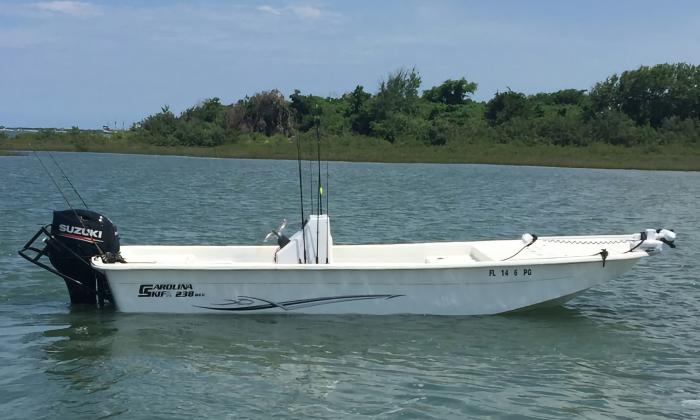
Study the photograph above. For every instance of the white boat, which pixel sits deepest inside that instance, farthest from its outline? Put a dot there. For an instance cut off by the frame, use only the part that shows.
(440, 278)
(309, 274)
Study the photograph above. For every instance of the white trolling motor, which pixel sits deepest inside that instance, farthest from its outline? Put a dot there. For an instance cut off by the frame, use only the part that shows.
(653, 240)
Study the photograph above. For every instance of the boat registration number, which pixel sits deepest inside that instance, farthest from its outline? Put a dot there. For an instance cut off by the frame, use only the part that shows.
(508, 272)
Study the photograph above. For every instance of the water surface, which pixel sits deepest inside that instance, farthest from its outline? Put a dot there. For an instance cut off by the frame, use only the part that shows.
(626, 349)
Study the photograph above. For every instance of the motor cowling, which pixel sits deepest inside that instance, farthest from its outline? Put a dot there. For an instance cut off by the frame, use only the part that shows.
(77, 236)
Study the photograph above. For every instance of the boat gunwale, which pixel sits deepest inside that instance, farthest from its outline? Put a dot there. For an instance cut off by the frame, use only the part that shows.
(98, 264)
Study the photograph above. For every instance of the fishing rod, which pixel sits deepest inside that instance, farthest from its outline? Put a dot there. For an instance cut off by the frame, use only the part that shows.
(75, 190)
(54, 180)
(328, 214)
(301, 196)
(311, 177)
(318, 150)
(320, 186)
(58, 187)
(328, 211)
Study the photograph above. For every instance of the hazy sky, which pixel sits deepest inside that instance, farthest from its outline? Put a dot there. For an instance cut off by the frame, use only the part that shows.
(90, 63)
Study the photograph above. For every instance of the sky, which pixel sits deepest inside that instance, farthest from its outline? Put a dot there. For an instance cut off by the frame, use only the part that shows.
(90, 63)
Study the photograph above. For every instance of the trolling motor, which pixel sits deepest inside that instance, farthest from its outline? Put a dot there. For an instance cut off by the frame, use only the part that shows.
(653, 240)
(282, 240)
(70, 242)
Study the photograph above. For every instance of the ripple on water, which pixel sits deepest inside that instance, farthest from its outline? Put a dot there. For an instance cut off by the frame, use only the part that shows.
(626, 349)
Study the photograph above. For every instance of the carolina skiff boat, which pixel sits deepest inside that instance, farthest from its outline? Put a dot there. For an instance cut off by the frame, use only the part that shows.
(308, 273)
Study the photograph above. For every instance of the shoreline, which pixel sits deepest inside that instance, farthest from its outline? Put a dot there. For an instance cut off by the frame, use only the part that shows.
(666, 158)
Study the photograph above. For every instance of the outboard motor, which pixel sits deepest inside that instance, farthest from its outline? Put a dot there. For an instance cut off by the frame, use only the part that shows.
(72, 239)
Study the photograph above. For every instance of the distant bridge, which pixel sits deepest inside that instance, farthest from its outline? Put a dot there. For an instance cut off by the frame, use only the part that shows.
(14, 131)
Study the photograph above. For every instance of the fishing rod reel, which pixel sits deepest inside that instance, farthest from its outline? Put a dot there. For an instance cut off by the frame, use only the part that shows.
(282, 240)
(72, 239)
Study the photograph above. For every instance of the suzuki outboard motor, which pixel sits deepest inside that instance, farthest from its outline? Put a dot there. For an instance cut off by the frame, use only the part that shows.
(72, 239)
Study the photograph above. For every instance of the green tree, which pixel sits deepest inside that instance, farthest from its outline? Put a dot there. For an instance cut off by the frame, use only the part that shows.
(305, 108)
(647, 106)
(563, 130)
(505, 106)
(561, 97)
(265, 112)
(569, 97)
(210, 111)
(395, 102)
(358, 112)
(398, 93)
(161, 124)
(451, 92)
(649, 95)
(614, 127)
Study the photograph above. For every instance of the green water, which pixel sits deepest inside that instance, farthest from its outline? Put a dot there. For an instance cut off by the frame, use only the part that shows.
(626, 349)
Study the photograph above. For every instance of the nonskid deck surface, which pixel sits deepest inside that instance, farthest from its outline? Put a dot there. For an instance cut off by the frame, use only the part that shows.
(410, 255)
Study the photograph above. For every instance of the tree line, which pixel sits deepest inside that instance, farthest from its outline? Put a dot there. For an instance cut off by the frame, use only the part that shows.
(652, 105)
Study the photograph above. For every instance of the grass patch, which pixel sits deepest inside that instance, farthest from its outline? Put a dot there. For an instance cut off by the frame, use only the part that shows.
(366, 149)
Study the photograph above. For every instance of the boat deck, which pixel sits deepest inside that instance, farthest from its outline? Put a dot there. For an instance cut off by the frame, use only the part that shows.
(506, 252)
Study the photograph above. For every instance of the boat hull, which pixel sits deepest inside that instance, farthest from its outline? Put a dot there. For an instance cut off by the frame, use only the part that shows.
(326, 289)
